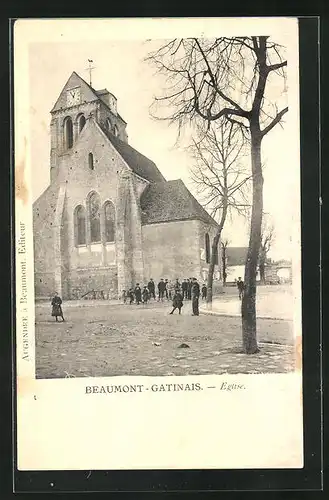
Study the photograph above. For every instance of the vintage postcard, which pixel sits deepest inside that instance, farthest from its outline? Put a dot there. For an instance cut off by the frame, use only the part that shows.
(157, 240)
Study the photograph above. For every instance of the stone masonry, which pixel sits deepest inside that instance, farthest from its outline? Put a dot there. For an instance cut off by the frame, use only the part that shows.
(90, 156)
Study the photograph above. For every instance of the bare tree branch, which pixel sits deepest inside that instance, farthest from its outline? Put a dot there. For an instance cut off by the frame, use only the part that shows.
(229, 80)
(276, 120)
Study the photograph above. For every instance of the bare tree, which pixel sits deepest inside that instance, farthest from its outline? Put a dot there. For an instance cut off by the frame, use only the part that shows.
(267, 238)
(238, 79)
(220, 178)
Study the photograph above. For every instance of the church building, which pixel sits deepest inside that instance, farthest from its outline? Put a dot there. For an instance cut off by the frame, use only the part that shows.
(109, 219)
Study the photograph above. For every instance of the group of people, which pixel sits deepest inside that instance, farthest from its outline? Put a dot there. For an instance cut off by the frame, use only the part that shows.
(188, 289)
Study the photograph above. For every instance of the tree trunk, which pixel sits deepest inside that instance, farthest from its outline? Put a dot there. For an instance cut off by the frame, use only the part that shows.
(224, 266)
(210, 279)
(214, 251)
(224, 274)
(248, 307)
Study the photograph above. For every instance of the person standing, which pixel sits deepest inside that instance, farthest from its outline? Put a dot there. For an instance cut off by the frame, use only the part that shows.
(204, 292)
(177, 285)
(195, 297)
(184, 289)
(171, 290)
(131, 296)
(240, 286)
(177, 302)
(161, 289)
(166, 289)
(138, 294)
(151, 288)
(57, 307)
(145, 295)
(189, 288)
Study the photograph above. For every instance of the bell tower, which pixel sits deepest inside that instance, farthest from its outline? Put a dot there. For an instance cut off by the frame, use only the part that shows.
(75, 104)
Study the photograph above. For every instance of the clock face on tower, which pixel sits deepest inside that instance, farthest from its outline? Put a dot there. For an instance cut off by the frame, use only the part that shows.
(73, 97)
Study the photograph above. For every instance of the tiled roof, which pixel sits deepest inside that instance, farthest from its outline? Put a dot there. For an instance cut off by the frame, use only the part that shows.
(236, 256)
(139, 163)
(171, 201)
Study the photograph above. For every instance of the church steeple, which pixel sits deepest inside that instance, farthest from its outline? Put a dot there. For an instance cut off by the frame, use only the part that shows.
(76, 102)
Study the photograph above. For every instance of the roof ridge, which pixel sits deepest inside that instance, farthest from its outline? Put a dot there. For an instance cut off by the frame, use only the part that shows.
(88, 85)
(98, 97)
(131, 147)
(84, 81)
(196, 202)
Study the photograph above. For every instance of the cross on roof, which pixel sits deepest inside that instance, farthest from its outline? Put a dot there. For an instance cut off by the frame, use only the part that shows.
(90, 68)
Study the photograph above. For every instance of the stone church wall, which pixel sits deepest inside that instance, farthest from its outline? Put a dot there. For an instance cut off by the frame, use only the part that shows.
(43, 241)
(162, 250)
(91, 266)
(104, 114)
(81, 281)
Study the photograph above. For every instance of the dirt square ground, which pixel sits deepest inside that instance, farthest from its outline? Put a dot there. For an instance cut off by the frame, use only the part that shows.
(106, 339)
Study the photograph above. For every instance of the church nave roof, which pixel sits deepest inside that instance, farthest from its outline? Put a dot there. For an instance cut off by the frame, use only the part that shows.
(171, 201)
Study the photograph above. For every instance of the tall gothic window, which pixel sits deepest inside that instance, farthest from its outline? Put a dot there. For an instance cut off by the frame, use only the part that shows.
(108, 125)
(68, 133)
(91, 161)
(115, 131)
(94, 218)
(81, 122)
(109, 218)
(80, 225)
(207, 244)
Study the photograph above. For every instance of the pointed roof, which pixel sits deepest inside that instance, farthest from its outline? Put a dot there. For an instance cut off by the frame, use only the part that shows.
(91, 94)
(73, 81)
(171, 201)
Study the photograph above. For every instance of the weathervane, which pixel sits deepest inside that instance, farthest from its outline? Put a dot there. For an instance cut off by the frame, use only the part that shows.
(90, 68)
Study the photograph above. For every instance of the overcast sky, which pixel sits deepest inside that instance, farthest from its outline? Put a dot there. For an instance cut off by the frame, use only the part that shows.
(119, 67)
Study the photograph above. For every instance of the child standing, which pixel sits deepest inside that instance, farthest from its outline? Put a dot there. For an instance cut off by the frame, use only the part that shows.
(131, 296)
(57, 307)
(240, 286)
(177, 302)
(145, 295)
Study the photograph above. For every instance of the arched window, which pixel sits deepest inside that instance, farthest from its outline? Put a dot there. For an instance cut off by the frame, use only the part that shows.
(207, 243)
(109, 218)
(115, 131)
(68, 133)
(80, 225)
(94, 218)
(81, 123)
(91, 161)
